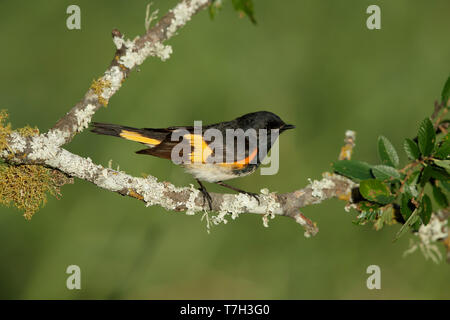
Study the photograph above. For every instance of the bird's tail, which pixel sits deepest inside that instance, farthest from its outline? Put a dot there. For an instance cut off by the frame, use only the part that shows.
(150, 137)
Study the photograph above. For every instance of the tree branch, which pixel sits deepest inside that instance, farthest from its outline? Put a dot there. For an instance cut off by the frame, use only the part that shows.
(188, 199)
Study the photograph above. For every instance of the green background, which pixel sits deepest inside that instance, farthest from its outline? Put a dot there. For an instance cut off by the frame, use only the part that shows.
(314, 63)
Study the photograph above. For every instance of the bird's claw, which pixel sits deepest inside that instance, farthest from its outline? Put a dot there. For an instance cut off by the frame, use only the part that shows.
(254, 195)
(206, 197)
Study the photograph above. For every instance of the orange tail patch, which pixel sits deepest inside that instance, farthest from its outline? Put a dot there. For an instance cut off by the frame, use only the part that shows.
(135, 136)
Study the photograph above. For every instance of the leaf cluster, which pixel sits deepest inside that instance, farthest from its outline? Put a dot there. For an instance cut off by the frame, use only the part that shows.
(243, 7)
(390, 193)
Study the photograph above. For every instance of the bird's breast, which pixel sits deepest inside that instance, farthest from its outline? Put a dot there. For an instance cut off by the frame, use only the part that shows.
(211, 172)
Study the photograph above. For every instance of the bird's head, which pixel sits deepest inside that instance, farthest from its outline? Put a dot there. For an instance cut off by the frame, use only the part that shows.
(264, 120)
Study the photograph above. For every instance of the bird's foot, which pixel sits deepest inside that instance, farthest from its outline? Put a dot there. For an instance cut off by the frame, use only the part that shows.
(254, 195)
(206, 195)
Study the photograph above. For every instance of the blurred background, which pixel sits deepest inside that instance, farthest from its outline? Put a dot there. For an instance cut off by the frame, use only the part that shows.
(312, 62)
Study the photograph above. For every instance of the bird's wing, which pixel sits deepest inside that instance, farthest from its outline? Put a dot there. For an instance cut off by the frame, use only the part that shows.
(188, 146)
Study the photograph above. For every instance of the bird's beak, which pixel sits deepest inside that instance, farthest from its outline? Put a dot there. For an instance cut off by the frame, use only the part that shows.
(287, 127)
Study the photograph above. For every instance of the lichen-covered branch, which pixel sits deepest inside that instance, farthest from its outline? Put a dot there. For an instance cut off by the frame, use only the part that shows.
(45, 150)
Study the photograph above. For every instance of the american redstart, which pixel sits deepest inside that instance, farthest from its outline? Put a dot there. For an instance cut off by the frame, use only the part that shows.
(211, 153)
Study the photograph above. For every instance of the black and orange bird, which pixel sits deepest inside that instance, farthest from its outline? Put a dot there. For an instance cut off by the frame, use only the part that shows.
(211, 153)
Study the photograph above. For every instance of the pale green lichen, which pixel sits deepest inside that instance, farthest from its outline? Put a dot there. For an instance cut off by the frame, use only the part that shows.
(26, 186)
(98, 86)
(5, 129)
(28, 131)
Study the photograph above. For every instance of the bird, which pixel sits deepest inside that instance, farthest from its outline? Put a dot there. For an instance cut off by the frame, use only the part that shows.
(212, 153)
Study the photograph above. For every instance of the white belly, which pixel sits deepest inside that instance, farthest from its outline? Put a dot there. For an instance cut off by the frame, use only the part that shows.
(211, 173)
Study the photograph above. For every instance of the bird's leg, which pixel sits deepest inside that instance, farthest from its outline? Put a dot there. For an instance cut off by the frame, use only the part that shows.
(254, 195)
(206, 195)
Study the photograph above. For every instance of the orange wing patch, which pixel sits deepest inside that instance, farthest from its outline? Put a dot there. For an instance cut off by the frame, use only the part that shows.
(135, 136)
(201, 150)
(240, 164)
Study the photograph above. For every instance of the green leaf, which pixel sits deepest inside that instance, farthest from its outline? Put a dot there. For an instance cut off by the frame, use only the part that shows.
(214, 8)
(353, 169)
(245, 7)
(436, 173)
(425, 209)
(410, 190)
(439, 173)
(414, 177)
(376, 191)
(367, 206)
(386, 216)
(411, 220)
(443, 151)
(382, 172)
(411, 149)
(426, 175)
(406, 207)
(427, 137)
(387, 153)
(440, 197)
(410, 187)
(446, 185)
(366, 216)
(446, 92)
(443, 164)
